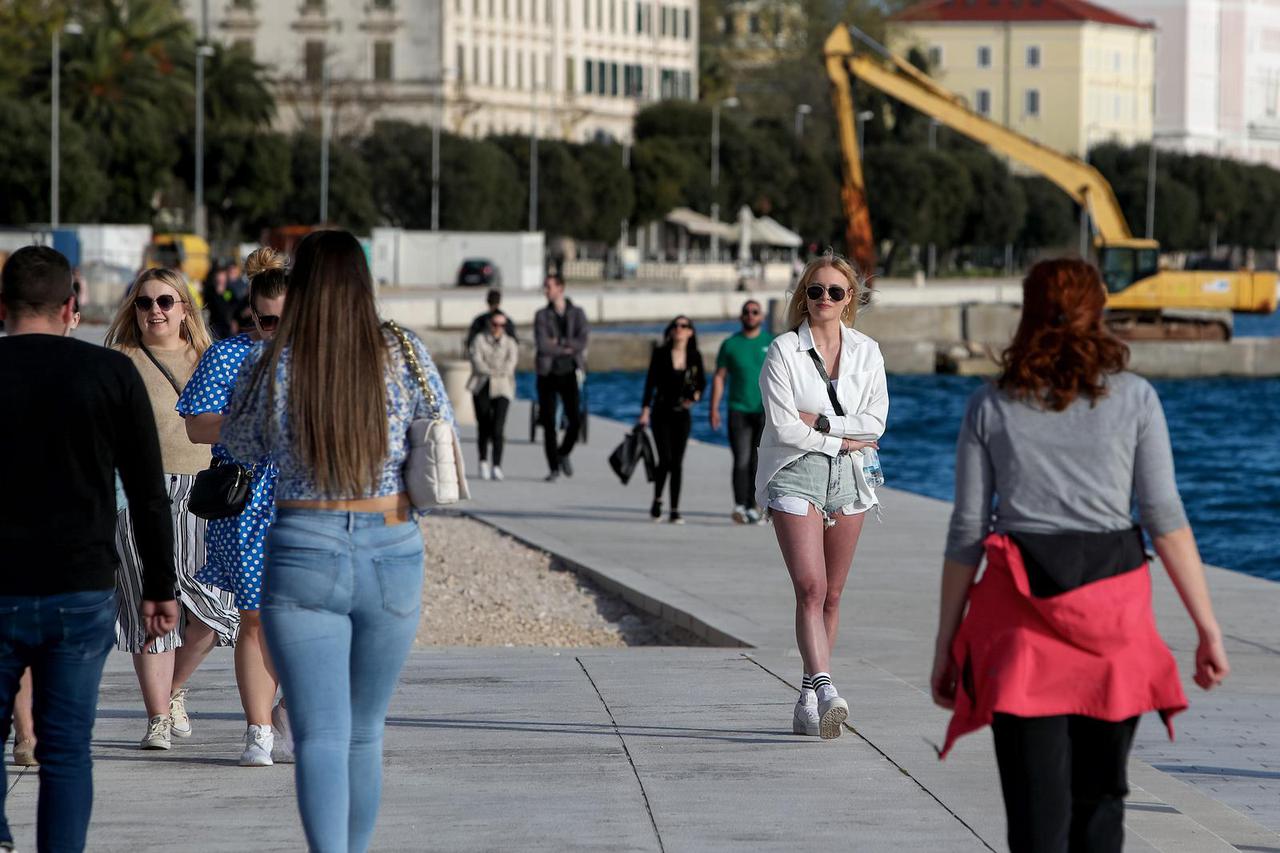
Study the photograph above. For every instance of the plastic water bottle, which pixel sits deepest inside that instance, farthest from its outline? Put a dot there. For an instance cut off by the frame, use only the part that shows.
(871, 467)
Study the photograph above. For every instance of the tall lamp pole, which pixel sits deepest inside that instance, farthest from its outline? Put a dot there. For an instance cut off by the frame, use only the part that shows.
(445, 75)
(198, 217)
(802, 110)
(55, 103)
(326, 132)
(715, 169)
(863, 117)
(933, 247)
(533, 153)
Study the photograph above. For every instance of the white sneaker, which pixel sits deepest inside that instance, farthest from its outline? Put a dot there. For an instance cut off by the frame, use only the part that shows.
(484, 471)
(740, 514)
(832, 712)
(257, 747)
(179, 722)
(804, 721)
(159, 729)
(497, 473)
(282, 750)
(755, 516)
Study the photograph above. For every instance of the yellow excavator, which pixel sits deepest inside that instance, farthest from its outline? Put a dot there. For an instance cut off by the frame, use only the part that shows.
(1143, 300)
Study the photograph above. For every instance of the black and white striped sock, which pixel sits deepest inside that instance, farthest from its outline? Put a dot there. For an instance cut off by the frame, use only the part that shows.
(822, 680)
(806, 683)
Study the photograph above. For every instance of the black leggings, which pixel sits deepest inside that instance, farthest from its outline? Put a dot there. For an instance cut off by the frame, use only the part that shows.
(670, 438)
(1064, 780)
(491, 423)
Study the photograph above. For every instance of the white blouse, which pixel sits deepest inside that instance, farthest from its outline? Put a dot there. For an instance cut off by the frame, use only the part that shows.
(790, 384)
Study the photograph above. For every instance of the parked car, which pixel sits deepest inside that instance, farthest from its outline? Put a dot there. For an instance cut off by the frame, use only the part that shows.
(479, 272)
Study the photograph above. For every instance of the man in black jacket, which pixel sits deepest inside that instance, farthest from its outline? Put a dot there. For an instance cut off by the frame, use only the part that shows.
(560, 333)
(71, 415)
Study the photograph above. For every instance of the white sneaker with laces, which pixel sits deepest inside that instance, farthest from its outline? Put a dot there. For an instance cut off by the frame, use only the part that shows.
(832, 712)
(159, 733)
(739, 514)
(282, 752)
(257, 747)
(755, 516)
(804, 721)
(179, 722)
(484, 471)
(497, 473)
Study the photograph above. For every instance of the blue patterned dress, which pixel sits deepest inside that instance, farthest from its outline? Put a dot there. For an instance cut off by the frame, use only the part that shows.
(235, 545)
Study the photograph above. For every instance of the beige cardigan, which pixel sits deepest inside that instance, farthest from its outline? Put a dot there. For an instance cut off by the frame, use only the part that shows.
(495, 360)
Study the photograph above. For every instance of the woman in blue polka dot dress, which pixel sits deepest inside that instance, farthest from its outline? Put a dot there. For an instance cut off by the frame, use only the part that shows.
(235, 545)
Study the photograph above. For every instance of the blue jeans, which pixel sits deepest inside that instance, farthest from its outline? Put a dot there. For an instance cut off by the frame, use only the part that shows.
(341, 601)
(64, 639)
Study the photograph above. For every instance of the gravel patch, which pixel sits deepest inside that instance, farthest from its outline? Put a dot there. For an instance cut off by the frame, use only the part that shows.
(484, 588)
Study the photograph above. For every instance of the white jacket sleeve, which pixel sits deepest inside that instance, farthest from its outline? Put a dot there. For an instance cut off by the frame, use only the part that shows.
(780, 410)
(868, 424)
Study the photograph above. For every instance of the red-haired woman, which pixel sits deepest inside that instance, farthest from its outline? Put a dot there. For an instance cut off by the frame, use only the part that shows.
(1058, 650)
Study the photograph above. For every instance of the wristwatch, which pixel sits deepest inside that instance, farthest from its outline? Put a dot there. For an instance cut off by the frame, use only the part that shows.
(822, 425)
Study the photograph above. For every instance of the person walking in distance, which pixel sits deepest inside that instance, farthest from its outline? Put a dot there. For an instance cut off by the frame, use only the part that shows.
(675, 382)
(740, 360)
(560, 333)
(342, 594)
(480, 323)
(825, 400)
(57, 563)
(236, 558)
(159, 329)
(1058, 649)
(492, 385)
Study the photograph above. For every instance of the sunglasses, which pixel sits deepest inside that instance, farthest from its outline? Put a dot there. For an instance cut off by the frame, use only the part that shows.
(166, 303)
(682, 325)
(267, 322)
(750, 312)
(835, 291)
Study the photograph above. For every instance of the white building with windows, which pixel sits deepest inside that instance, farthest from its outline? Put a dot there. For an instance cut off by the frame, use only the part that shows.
(576, 69)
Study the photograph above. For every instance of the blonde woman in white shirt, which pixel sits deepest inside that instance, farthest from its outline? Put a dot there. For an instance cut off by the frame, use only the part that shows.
(811, 474)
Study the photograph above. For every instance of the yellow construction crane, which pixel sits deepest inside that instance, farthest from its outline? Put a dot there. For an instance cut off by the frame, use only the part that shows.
(1138, 289)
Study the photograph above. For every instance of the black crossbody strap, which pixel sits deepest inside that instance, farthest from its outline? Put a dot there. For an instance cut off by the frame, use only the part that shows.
(177, 389)
(826, 382)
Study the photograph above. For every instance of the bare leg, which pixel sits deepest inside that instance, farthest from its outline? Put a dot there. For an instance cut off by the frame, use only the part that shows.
(197, 642)
(801, 541)
(24, 729)
(255, 676)
(155, 677)
(839, 543)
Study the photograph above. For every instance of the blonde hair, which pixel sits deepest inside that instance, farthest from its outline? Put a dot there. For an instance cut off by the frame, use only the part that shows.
(124, 331)
(263, 260)
(798, 305)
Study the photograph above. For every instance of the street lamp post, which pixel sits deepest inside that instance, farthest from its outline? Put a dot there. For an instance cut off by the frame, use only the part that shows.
(932, 262)
(326, 133)
(715, 168)
(198, 218)
(863, 117)
(626, 224)
(1151, 190)
(55, 103)
(445, 75)
(533, 153)
(802, 110)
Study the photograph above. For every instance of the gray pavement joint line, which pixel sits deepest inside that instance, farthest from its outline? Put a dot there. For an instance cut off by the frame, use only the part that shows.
(904, 771)
(644, 795)
(1256, 645)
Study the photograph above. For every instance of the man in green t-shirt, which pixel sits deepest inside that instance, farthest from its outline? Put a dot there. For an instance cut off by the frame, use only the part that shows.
(741, 359)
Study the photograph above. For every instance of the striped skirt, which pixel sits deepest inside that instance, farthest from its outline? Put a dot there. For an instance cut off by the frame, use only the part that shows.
(214, 607)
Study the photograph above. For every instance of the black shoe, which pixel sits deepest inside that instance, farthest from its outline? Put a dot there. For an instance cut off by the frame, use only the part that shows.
(655, 511)
(552, 477)
(566, 466)
(675, 518)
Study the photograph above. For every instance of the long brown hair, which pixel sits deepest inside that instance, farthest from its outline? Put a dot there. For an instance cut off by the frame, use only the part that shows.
(337, 357)
(1062, 349)
(798, 307)
(124, 331)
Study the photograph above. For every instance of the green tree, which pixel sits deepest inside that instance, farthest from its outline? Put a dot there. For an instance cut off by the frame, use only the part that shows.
(1050, 220)
(351, 203)
(916, 196)
(998, 207)
(611, 193)
(661, 168)
(24, 169)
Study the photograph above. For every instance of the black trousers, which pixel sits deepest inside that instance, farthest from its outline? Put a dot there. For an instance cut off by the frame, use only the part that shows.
(565, 388)
(745, 429)
(1064, 780)
(670, 438)
(491, 423)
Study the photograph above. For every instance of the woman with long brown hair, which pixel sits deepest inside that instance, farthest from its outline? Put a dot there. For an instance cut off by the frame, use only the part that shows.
(1058, 649)
(330, 399)
(825, 402)
(161, 331)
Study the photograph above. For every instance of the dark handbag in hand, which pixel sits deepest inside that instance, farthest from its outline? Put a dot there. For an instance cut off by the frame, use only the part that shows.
(221, 491)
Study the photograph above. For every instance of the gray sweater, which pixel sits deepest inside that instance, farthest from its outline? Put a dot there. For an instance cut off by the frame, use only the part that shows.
(1054, 472)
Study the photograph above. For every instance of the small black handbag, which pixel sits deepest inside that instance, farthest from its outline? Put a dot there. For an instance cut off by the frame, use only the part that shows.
(220, 491)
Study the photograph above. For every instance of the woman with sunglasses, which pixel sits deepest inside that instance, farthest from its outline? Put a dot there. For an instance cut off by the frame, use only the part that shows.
(162, 332)
(236, 545)
(675, 382)
(331, 399)
(492, 385)
(825, 401)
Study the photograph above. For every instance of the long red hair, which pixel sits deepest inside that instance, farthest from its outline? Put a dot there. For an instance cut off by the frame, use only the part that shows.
(1062, 349)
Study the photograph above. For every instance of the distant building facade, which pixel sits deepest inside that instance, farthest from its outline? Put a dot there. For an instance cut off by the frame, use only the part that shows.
(577, 69)
(1067, 73)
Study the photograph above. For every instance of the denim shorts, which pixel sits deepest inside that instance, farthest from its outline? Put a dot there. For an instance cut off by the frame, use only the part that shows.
(818, 479)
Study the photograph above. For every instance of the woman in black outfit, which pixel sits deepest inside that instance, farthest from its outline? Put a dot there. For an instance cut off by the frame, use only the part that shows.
(675, 382)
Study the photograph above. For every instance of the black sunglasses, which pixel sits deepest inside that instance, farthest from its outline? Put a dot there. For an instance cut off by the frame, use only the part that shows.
(267, 322)
(835, 291)
(750, 312)
(144, 303)
(682, 325)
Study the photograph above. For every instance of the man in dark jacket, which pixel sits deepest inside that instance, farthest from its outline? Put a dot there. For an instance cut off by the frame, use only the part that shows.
(560, 333)
(73, 415)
